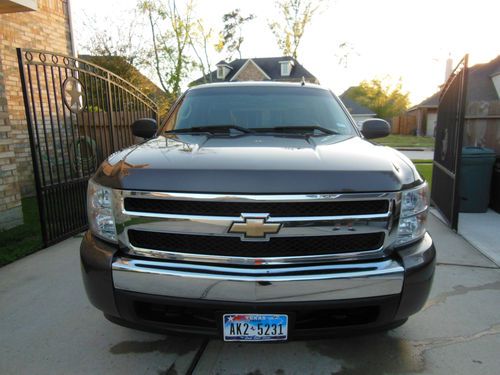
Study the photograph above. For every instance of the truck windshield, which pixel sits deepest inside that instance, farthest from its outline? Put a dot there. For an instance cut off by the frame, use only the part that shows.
(262, 109)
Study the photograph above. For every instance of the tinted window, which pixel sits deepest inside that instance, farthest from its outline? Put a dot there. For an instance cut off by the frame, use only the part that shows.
(262, 107)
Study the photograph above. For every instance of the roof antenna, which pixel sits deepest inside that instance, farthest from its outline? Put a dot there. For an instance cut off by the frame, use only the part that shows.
(303, 83)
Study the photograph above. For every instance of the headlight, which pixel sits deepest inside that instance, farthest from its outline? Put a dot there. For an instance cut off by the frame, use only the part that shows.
(100, 211)
(413, 216)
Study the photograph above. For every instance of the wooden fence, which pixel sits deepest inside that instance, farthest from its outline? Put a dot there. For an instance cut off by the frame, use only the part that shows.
(404, 125)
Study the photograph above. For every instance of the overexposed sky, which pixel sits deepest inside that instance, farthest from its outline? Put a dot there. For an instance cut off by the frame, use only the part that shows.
(405, 39)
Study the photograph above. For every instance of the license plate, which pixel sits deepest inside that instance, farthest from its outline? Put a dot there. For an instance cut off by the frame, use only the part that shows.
(255, 327)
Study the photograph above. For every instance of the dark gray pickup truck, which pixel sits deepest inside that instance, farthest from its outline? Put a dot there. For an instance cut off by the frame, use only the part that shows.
(258, 212)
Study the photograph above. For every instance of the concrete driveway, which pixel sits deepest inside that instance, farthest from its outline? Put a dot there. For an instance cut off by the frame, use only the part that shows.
(48, 327)
(418, 154)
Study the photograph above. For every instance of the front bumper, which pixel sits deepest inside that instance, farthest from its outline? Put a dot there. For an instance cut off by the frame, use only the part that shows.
(166, 296)
(276, 284)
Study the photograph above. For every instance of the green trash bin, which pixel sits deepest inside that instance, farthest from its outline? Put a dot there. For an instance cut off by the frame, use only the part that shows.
(475, 178)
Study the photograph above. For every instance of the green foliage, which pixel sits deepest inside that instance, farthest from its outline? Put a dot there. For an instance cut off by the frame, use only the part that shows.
(200, 39)
(111, 38)
(170, 31)
(231, 37)
(24, 239)
(115, 48)
(296, 15)
(385, 100)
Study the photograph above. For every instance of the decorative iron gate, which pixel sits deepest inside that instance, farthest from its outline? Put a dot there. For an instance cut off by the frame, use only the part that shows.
(77, 114)
(448, 147)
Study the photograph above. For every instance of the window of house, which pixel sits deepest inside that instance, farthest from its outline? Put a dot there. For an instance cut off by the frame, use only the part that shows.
(220, 72)
(286, 68)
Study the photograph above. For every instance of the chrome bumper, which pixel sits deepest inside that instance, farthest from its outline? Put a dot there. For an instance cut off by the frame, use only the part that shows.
(279, 284)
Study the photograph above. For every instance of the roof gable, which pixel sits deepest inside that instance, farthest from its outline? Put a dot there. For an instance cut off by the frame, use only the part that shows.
(249, 64)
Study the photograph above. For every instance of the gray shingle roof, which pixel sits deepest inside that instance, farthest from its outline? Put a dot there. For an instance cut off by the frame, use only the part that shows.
(480, 87)
(431, 102)
(270, 65)
(354, 107)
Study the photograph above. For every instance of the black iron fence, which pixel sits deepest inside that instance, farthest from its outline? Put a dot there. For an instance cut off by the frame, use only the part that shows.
(448, 146)
(77, 114)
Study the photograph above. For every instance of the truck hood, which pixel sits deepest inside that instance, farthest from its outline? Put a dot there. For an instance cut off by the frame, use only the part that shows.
(258, 164)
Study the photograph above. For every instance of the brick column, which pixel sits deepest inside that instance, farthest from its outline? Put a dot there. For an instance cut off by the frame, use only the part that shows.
(10, 195)
(46, 29)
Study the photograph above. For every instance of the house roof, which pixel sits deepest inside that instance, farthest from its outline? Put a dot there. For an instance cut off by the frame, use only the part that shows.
(431, 102)
(353, 106)
(270, 65)
(480, 87)
(479, 84)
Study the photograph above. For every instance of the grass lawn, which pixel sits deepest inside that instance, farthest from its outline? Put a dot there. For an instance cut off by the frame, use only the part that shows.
(395, 140)
(24, 239)
(425, 170)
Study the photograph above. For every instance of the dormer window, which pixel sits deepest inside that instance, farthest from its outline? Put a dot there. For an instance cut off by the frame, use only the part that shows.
(286, 68)
(220, 72)
(223, 70)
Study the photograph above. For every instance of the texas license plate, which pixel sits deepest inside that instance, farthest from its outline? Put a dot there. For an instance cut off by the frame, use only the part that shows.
(255, 327)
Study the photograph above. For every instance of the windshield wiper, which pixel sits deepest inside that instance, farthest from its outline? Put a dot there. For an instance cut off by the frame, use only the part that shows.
(212, 129)
(300, 129)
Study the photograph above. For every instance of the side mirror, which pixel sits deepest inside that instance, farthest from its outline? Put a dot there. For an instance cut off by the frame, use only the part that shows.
(375, 128)
(144, 128)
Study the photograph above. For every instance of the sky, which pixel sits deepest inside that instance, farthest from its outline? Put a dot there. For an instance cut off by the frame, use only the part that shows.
(393, 40)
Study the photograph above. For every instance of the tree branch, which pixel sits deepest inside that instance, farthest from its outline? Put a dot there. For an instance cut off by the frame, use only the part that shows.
(155, 48)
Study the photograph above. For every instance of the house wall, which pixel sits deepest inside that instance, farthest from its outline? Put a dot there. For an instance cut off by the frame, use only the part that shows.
(48, 28)
(250, 73)
(431, 122)
(10, 196)
(425, 121)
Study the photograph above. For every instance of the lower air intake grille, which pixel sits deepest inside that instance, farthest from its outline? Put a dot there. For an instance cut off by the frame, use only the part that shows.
(275, 247)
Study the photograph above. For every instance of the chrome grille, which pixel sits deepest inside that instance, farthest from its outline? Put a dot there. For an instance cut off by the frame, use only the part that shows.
(313, 228)
(275, 247)
(274, 209)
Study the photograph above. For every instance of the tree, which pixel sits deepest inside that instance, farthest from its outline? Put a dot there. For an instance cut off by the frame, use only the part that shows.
(112, 39)
(384, 99)
(170, 33)
(117, 48)
(199, 40)
(296, 16)
(344, 53)
(231, 37)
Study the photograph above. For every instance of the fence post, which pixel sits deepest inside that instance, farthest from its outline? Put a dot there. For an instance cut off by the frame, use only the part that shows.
(114, 145)
(459, 140)
(33, 146)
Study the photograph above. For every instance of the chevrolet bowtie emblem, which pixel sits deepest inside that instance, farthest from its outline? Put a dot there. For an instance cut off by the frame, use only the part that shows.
(254, 226)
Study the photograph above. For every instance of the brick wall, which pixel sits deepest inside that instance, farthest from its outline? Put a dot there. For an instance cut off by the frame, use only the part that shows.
(251, 73)
(10, 197)
(47, 29)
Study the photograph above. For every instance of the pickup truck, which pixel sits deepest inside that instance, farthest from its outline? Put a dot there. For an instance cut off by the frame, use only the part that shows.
(258, 212)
